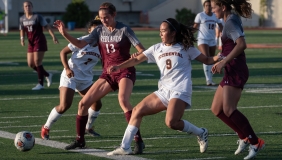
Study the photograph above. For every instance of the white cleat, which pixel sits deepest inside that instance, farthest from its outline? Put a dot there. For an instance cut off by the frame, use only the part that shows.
(49, 79)
(203, 140)
(243, 143)
(120, 151)
(254, 149)
(210, 83)
(37, 87)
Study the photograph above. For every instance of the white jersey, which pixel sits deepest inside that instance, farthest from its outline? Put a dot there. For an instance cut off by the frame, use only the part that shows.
(175, 65)
(207, 25)
(82, 61)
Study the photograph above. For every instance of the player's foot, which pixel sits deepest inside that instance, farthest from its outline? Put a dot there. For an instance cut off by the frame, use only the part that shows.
(37, 87)
(254, 149)
(92, 133)
(45, 133)
(49, 79)
(203, 140)
(243, 143)
(75, 144)
(210, 83)
(120, 151)
(138, 148)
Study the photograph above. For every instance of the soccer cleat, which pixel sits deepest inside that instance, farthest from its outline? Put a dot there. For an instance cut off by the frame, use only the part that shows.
(254, 149)
(49, 79)
(210, 83)
(203, 140)
(37, 87)
(243, 143)
(138, 148)
(75, 145)
(92, 133)
(120, 151)
(45, 133)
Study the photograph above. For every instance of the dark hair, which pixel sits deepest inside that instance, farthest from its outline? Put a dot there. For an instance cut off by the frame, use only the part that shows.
(28, 2)
(241, 7)
(206, 1)
(94, 22)
(184, 34)
(109, 7)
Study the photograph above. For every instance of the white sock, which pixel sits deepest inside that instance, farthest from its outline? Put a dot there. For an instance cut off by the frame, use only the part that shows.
(206, 71)
(210, 72)
(128, 136)
(219, 42)
(191, 128)
(53, 117)
(92, 115)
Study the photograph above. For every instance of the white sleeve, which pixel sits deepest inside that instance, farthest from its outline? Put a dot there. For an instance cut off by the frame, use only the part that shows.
(193, 53)
(149, 53)
(198, 18)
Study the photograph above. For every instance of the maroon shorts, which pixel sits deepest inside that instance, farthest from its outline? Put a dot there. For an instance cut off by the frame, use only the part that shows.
(113, 79)
(235, 74)
(37, 47)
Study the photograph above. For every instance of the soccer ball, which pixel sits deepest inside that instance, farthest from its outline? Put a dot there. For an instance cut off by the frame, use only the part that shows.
(24, 141)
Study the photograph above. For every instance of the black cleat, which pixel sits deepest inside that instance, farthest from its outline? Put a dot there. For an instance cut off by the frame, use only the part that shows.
(138, 148)
(75, 145)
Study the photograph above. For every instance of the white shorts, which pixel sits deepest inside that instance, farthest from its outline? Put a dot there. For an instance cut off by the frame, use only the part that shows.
(165, 95)
(210, 42)
(73, 83)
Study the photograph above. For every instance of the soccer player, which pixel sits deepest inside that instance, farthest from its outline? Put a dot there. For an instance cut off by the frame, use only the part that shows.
(114, 40)
(236, 73)
(77, 74)
(2, 18)
(32, 25)
(206, 22)
(173, 57)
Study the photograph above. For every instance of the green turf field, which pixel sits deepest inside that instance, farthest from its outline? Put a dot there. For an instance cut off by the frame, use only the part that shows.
(24, 109)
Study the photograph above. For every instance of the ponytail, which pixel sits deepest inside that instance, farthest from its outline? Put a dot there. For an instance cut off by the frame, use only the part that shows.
(241, 7)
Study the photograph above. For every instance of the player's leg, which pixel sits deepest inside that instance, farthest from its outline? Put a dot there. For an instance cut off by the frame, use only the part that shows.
(30, 59)
(98, 90)
(125, 90)
(41, 72)
(230, 100)
(204, 48)
(173, 120)
(148, 106)
(66, 98)
(93, 113)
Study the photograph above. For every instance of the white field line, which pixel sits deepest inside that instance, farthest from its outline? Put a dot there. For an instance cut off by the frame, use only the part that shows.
(115, 113)
(61, 145)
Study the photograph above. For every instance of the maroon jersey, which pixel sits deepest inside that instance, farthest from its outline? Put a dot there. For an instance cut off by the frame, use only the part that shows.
(114, 46)
(33, 28)
(236, 72)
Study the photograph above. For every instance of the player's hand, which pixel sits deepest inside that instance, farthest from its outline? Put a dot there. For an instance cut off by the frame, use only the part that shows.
(55, 40)
(22, 42)
(217, 68)
(112, 69)
(60, 26)
(134, 55)
(69, 73)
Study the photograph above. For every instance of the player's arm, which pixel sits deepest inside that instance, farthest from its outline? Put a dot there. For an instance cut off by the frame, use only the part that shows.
(129, 63)
(22, 35)
(64, 60)
(55, 40)
(61, 27)
(140, 48)
(208, 60)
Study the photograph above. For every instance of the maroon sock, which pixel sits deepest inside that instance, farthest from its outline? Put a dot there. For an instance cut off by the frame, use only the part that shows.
(35, 68)
(80, 127)
(243, 123)
(45, 73)
(137, 136)
(40, 74)
(233, 126)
